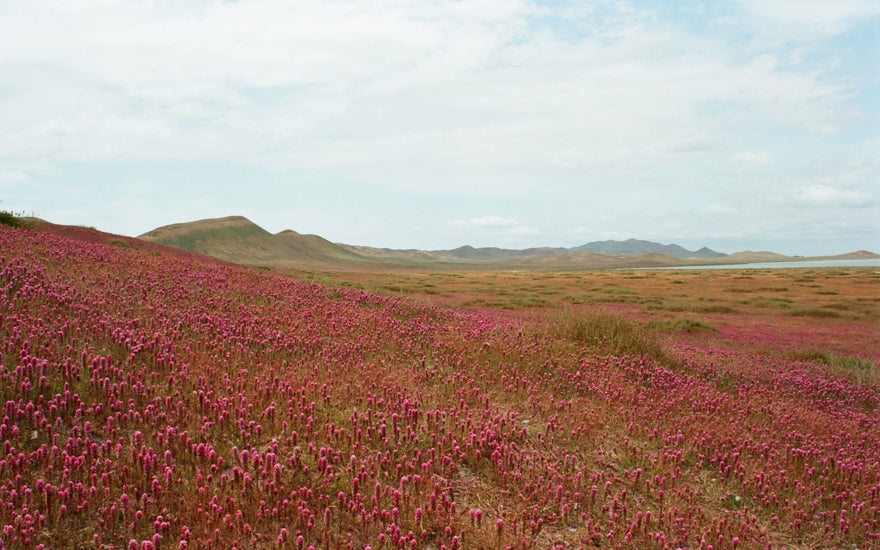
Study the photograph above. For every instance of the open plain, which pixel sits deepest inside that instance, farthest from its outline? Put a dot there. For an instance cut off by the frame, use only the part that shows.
(797, 313)
(155, 399)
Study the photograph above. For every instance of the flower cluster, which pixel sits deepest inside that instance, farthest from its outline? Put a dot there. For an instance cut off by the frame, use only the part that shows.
(154, 401)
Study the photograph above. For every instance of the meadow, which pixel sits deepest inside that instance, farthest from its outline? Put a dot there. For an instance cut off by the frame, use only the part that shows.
(154, 400)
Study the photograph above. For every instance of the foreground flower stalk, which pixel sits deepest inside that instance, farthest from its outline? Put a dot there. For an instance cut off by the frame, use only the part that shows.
(154, 401)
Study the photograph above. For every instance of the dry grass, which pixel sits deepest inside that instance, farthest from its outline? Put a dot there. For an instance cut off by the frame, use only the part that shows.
(711, 292)
(853, 367)
(814, 312)
(607, 332)
(746, 307)
(686, 324)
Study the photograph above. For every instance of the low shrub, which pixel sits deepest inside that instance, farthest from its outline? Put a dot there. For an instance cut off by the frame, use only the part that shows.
(859, 369)
(8, 218)
(686, 324)
(607, 331)
(814, 312)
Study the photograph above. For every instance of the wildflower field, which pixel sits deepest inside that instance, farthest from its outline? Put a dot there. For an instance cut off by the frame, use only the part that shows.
(157, 400)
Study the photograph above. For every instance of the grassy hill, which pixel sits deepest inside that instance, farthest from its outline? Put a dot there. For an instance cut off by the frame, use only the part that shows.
(314, 246)
(234, 238)
(637, 247)
(239, 240)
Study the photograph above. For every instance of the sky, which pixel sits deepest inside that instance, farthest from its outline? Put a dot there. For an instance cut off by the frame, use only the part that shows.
(737, 124)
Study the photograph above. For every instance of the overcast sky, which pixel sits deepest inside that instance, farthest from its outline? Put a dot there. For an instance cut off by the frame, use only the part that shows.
(747, 124)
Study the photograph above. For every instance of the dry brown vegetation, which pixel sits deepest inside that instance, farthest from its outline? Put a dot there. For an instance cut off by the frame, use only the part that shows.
(851, 292)
(792, 308)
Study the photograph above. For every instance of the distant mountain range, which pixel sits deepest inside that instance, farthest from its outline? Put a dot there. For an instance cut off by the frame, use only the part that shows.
(631, 247)
(635, 247)
(237, 239)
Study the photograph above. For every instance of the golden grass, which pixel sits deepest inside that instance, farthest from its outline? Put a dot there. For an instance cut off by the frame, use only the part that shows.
(607, 332)
(668, 306)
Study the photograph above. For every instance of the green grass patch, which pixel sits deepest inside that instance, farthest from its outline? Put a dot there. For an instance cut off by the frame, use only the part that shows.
(858, 369)
(686, 324)
(715, 308)
(618, 290)
(579, 299)
(842, 306)
(818, 312)
(519, 302)
(667, 307)
(774, 301)
(10, 219)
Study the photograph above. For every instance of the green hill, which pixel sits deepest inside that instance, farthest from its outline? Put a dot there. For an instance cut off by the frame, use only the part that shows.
(237, 239)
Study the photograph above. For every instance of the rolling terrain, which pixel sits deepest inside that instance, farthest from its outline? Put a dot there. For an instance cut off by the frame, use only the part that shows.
(154, 398)
(239, 240)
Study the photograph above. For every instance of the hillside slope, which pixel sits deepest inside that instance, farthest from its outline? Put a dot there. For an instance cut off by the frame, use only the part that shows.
(566, 256)
(239, 240)
(637, 247)
(174, 401)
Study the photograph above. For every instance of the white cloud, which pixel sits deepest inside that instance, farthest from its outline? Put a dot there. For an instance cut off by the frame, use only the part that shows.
(523, 231)
(10, 177)
(752, 159)
(719, 209)
(361, 83)
(827, 196)
(621, 109)
(496, 227)
(820, 16)
(485, 221)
